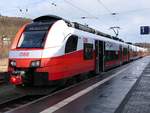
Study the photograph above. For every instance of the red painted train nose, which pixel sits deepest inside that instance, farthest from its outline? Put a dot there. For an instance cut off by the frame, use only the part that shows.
(16, 80)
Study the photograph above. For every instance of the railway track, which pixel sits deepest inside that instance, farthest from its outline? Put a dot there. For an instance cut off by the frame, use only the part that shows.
(22, 100)
(17, 102)
(4, 77)
(1, 77)
(25, 96)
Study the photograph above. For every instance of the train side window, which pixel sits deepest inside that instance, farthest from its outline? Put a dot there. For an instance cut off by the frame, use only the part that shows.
(111, 55)
(125, 51)
(88, 51)
(71, 44)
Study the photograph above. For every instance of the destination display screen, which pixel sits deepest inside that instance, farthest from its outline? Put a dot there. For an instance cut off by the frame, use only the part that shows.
(34, 39)
(38, 27)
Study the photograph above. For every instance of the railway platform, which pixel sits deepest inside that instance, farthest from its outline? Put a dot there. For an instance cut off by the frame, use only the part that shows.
(138, 101)
(121, 91)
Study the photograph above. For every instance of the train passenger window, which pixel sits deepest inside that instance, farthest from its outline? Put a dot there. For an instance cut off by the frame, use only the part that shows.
(125, 51)
(71, 44)
(111, 55)
(88, 51)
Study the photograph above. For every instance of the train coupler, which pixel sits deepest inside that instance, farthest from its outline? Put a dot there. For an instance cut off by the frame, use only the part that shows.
(17, 77)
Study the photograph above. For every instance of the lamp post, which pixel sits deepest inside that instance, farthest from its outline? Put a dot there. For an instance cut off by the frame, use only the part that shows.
(5, 41)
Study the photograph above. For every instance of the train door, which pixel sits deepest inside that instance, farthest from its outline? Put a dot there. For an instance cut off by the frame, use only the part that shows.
(99, 50)
(121, 54)
(128, 53)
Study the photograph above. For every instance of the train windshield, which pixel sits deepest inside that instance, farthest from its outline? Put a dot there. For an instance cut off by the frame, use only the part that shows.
(32, 39)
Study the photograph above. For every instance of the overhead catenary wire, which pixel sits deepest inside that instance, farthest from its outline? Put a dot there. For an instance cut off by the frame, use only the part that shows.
(123, 12)
(84, 11)
(134, 11)
(126, 12)
(102, 4)
(79, 8)
(113, 14)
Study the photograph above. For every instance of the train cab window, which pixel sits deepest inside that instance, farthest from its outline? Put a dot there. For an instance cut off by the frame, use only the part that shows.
(34, 36)
(33, 39)
(71, 44)
(88, 51)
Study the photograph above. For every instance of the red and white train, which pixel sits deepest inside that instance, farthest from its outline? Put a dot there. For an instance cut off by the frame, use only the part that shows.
(52, 48)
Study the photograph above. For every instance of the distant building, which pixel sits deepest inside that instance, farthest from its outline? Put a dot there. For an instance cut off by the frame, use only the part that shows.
(4, 41)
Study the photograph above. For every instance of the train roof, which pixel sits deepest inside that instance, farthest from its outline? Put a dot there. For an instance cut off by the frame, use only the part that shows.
(53, 18)
(49, 18)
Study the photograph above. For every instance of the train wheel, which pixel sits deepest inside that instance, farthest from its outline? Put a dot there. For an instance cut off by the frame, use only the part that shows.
(81, 77)
(91, 74)
(62, 83)
(71, 81)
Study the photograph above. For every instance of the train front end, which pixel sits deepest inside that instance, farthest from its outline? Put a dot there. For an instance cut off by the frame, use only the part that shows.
(25, 57)
(29, 57)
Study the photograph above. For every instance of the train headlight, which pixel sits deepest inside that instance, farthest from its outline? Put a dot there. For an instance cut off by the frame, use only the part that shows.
(35, 63)
(13, 63)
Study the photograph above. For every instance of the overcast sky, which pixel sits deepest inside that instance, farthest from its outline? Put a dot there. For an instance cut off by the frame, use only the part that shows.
(129, 15)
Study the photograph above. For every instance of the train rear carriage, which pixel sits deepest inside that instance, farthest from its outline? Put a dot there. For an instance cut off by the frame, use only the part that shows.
(134, 52)
(138, 52)
(143, 52)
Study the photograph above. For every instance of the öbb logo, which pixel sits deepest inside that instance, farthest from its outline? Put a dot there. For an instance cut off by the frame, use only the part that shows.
(24, 54)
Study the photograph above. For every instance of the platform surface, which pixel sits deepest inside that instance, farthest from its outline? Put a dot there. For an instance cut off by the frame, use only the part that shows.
(103, 98)
(138, 100)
